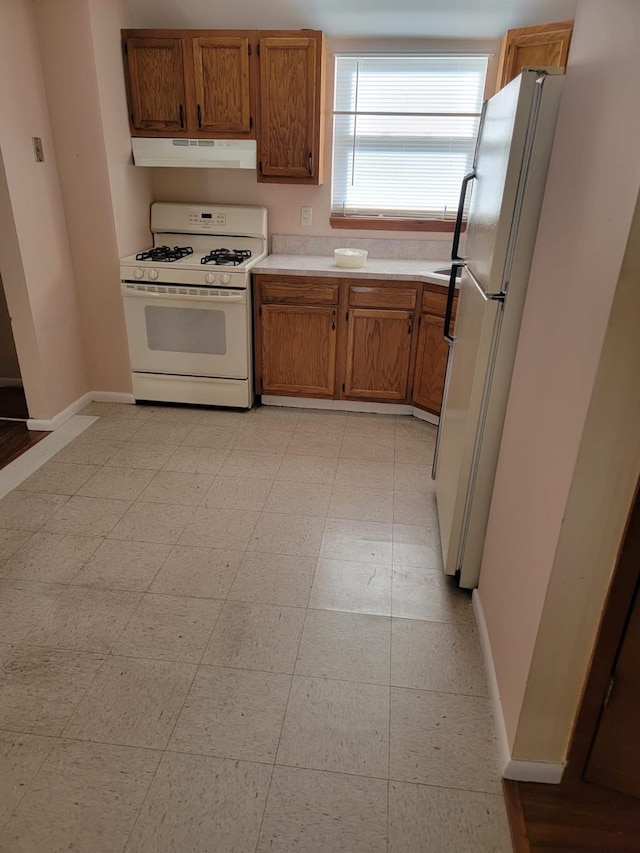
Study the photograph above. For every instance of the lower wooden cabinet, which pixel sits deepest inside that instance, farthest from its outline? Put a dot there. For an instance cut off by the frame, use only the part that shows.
(378, 355)
(298, 350)
(350, 339)
(431, 364)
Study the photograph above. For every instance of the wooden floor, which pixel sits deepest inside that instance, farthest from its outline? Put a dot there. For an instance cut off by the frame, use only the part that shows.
(15, 438)
(571, 817)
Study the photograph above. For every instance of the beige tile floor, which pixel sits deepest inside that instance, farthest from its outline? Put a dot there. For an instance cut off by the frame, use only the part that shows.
(231, 632)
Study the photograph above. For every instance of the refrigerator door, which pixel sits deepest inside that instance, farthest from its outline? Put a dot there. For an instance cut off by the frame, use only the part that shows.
(477, 327)
(511, 164)
(498, 166)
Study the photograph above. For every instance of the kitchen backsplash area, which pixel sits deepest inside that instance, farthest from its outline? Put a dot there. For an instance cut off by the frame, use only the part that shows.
(418, 250)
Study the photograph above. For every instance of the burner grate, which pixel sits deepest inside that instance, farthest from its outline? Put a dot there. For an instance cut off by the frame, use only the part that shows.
(165, 254)
(226, 256)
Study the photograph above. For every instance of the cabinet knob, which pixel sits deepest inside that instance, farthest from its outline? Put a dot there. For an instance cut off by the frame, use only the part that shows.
(311, 162)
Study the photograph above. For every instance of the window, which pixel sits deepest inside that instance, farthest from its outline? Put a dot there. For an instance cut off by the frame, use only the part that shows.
(404, 133)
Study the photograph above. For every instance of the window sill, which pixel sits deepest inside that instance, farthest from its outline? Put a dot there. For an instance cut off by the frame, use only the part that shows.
(379, 224)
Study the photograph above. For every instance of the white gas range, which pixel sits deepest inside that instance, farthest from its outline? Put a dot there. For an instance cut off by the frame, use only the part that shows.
(187, 304)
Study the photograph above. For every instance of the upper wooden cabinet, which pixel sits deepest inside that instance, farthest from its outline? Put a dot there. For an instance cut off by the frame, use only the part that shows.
(291, 88)
(222, 89)
(545, 46)
(267, 85)
(192, 83)
(156, 85)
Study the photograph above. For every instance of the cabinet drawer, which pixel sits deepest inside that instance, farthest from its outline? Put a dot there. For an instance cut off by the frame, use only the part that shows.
(303, 293)
(361, 296)
(436, 303)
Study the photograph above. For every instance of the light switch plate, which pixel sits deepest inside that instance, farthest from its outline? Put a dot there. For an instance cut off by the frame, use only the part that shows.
(306, 215)
(37, 149)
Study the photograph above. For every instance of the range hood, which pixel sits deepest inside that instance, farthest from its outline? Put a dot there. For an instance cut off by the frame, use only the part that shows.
(194, 153)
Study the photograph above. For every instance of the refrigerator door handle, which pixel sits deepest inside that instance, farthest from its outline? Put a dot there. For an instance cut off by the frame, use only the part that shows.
(450, 295)
(497, 297)
(455, 246)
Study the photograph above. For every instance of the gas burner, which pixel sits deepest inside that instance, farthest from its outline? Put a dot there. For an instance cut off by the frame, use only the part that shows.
(165, 254)
(226, 256)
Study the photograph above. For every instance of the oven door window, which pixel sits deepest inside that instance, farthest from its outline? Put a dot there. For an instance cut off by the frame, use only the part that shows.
(189, 330)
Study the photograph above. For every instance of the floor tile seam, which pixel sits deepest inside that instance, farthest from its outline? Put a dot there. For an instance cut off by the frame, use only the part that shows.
(295, 663)
(498, 796)
(469, 624)
(484, 792)
(325, 770)
(234, 599)
(486, 699)
(28, 786)
(341, 680)
(284, 715)
(394, 686)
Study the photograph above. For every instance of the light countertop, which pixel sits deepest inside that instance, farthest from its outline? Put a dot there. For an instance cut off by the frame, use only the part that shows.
(325, 266)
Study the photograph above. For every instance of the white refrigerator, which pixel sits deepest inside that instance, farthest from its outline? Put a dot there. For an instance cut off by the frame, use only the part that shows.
(494, 252)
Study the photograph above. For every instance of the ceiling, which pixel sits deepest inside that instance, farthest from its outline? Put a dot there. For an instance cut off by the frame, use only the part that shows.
(357, 18)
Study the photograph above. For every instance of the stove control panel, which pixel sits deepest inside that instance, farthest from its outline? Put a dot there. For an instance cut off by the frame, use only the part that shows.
(207, 220)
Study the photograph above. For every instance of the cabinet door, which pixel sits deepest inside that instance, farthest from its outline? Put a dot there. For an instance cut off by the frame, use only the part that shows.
(156, 84)
(221, 69)
(431, 364)
(298, 350)
(288, 136)
(378, 354)
(546, 46)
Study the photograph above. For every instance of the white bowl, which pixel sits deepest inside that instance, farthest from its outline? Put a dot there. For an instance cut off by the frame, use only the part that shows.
(350, 257)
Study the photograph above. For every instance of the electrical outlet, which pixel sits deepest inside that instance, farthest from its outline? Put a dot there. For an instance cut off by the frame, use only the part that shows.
(306, 215)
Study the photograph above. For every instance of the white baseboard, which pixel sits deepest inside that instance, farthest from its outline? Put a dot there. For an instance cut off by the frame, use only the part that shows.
(549, 772)
(112, 397)
(348, 406)
(425, 416)
(51, 424)
(28, 462)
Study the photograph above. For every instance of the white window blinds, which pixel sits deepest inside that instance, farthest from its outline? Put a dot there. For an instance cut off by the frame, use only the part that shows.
(404, 133)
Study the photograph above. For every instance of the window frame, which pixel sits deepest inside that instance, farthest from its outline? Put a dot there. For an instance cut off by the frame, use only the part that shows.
(378, 222)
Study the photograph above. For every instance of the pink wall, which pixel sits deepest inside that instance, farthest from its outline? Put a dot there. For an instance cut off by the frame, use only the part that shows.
(34, 250)
(591, 192)
(131, 187)
(65, 35)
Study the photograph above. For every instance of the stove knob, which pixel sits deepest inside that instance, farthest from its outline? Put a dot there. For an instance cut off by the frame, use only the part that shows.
(210, 277)
(138, 272)
(225, 278)
(153, 274)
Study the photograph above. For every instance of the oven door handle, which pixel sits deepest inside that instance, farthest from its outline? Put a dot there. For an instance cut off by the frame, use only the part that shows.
(182, 297)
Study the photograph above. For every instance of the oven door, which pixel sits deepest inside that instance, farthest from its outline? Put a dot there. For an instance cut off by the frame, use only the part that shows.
(202, 332)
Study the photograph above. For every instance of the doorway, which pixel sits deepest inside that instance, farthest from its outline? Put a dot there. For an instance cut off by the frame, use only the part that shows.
(13, 403)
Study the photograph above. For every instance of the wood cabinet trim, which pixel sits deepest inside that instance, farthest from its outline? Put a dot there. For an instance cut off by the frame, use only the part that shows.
(436, 303)
(403, 353)
(560, 31)
(304, 351)
(367, 296)
(242, 122)
(300, 294)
